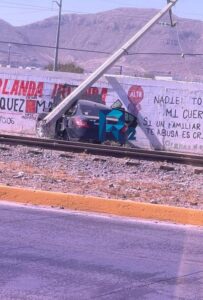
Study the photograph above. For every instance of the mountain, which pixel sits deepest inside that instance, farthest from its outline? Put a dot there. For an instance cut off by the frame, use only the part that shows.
(106, 32)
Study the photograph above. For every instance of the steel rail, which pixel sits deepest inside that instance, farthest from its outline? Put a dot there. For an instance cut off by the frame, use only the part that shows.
(104, 150)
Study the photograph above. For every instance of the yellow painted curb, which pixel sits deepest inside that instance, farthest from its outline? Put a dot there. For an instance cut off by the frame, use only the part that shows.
(100, 205)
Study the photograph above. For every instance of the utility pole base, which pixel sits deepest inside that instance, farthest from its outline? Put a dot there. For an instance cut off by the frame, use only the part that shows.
(44, 130)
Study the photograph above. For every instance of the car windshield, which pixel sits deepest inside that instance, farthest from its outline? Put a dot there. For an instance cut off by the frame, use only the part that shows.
(92, 110)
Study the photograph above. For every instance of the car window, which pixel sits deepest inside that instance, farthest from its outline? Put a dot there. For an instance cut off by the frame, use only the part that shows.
(129, 118)
(71, 110)
(91, 110)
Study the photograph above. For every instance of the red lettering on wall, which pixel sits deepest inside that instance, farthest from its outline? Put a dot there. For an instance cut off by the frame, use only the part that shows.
(23, 88)
(4, 91)
(59, 89)
(31, 89)
(67, 91)
(39, 89)
(92, 91)
(14, 90)
(54, 91)
(104, 94)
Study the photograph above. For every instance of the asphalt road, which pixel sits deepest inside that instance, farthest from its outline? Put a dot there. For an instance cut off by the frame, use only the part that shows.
(50, 254)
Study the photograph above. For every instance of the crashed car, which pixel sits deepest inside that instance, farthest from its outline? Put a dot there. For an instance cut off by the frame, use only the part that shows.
(81, 123)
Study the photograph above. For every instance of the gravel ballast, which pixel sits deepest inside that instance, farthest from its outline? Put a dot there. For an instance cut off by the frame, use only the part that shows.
(116, 178)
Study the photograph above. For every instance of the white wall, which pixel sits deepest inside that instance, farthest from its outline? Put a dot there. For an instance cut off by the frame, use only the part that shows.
(26, 93)
(170, 113)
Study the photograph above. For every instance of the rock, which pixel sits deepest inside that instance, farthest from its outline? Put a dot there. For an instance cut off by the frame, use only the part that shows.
(198, 171)
(154, 201)
(167, 168)
(66, 156)
(4, 148)
(99, 159)
(19, 175)
(34, 152)
(132, 163)
(136, 195)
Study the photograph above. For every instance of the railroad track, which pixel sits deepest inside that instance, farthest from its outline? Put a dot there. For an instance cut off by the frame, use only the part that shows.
(106, 150)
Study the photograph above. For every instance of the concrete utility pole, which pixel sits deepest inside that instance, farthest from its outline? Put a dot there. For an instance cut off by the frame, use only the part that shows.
(70, 99)
(9, 55)
(55, 68)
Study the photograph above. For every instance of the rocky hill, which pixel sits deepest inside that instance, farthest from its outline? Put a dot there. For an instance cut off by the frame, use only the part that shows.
(106, 32)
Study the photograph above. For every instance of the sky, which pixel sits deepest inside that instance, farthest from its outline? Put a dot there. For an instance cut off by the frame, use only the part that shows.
(22, 12)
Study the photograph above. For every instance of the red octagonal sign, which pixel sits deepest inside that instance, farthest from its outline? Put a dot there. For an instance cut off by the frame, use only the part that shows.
(136, 94)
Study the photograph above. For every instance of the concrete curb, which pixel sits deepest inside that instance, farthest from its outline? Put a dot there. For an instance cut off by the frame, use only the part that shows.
(99, 205)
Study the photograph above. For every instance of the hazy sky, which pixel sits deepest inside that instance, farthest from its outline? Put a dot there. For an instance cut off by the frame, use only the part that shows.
(20, 12)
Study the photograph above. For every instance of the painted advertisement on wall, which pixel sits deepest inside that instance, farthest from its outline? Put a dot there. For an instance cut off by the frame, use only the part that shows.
(170, 113)
(22, 100)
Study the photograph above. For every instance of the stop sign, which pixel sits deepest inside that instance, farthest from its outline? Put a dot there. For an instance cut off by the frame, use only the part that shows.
(135, 94)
